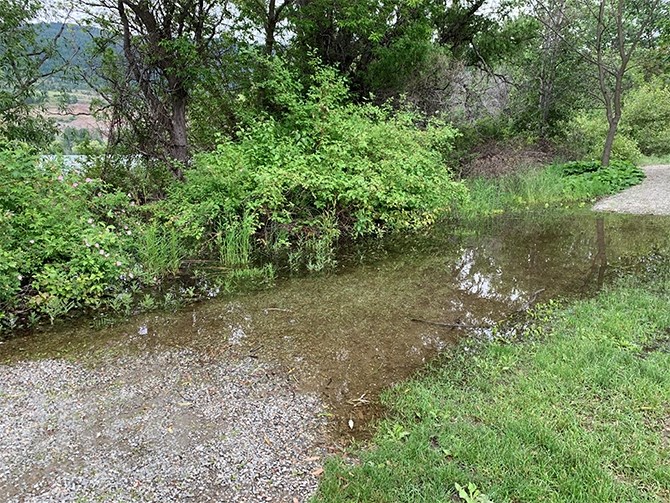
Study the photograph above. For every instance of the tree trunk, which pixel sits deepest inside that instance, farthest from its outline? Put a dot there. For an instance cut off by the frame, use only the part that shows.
(609, 141)
(270, 27)
(178, 136)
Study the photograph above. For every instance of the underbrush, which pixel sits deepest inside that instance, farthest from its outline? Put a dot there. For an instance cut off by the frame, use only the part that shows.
(576, 411)
(67, 241)
(284, 191)
(557, 185)
(291, 186)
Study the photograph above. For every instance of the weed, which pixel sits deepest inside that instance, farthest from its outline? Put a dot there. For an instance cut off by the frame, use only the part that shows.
(234, 242)
(471, 494)
(122, 303)
(55, 307)
(148, 302)
(171, 301)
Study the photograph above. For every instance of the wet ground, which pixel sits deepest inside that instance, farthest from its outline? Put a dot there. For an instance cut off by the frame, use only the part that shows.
(324, 345)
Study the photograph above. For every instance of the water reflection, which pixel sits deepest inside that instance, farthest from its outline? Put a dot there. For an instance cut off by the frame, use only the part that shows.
(350, 335)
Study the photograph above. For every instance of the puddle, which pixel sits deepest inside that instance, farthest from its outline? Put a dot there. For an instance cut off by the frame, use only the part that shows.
(349, 335)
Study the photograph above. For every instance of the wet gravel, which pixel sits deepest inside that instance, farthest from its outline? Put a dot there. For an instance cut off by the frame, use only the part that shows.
(167, 426)
(651, 197)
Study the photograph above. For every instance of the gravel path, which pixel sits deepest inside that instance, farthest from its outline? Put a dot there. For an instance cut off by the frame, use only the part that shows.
(174, 425)
(651, 197)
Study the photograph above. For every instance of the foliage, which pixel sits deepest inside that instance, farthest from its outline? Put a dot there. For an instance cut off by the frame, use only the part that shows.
(319, 166)
(584, 137)
(549, 77)
(579, 167)
(558, 185)
(22, 56)
(647, 118)
(63, 246)
(592, 384)
(167, 45)
(159, 249)
(591, 179)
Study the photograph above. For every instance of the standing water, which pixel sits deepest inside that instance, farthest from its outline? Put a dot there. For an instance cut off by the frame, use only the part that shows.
(337, 339)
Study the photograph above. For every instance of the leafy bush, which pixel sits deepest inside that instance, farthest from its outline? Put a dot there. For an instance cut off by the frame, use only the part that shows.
(647, 118)
(321, 166)
(591, 179)
(584, 137)
(62, 246)
(579, 167)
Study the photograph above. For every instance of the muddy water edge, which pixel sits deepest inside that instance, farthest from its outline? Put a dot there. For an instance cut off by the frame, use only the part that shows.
(348, 335)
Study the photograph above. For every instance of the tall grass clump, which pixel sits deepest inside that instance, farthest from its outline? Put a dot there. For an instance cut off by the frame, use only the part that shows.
(233, 242)
(575, 182)
(160, 250)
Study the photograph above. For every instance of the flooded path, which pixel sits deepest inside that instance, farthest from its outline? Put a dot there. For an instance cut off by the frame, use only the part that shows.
(261, 378)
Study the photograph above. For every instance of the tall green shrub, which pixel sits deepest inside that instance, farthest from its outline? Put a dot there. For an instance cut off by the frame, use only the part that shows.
(584, 138)
(361, 168)
(647, 118)
(63, 245)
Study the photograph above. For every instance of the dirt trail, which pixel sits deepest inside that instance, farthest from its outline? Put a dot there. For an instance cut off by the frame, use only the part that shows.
(651, 197)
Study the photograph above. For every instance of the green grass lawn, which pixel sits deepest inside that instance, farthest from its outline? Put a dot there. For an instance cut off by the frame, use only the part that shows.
(578, 412)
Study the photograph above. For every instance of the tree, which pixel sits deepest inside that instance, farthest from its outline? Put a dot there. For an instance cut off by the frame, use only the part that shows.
(608, 34)
(23, 56)
(269, 14)
(166, 44)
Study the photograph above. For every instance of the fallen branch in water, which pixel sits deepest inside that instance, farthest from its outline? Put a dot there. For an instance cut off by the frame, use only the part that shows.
(449, 325)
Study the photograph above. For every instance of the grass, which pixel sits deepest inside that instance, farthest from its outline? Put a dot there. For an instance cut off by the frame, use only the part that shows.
(160, 250)
(517, 190)
(546, 186)
(580, 412)
(655, 160)
(522, 190)
(234, 243)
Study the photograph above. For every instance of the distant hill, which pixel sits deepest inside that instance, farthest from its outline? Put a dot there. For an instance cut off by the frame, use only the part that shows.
(71, 45)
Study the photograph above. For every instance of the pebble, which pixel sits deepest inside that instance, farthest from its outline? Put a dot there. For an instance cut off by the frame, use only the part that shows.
(166, 426)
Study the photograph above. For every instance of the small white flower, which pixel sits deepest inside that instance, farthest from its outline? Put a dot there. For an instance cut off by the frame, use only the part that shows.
(102, 252)
(32, 241)
(90, 220)
(97, 245)
(128, 232)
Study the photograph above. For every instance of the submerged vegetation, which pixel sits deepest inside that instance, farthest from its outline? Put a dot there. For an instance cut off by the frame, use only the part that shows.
(577, 410)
